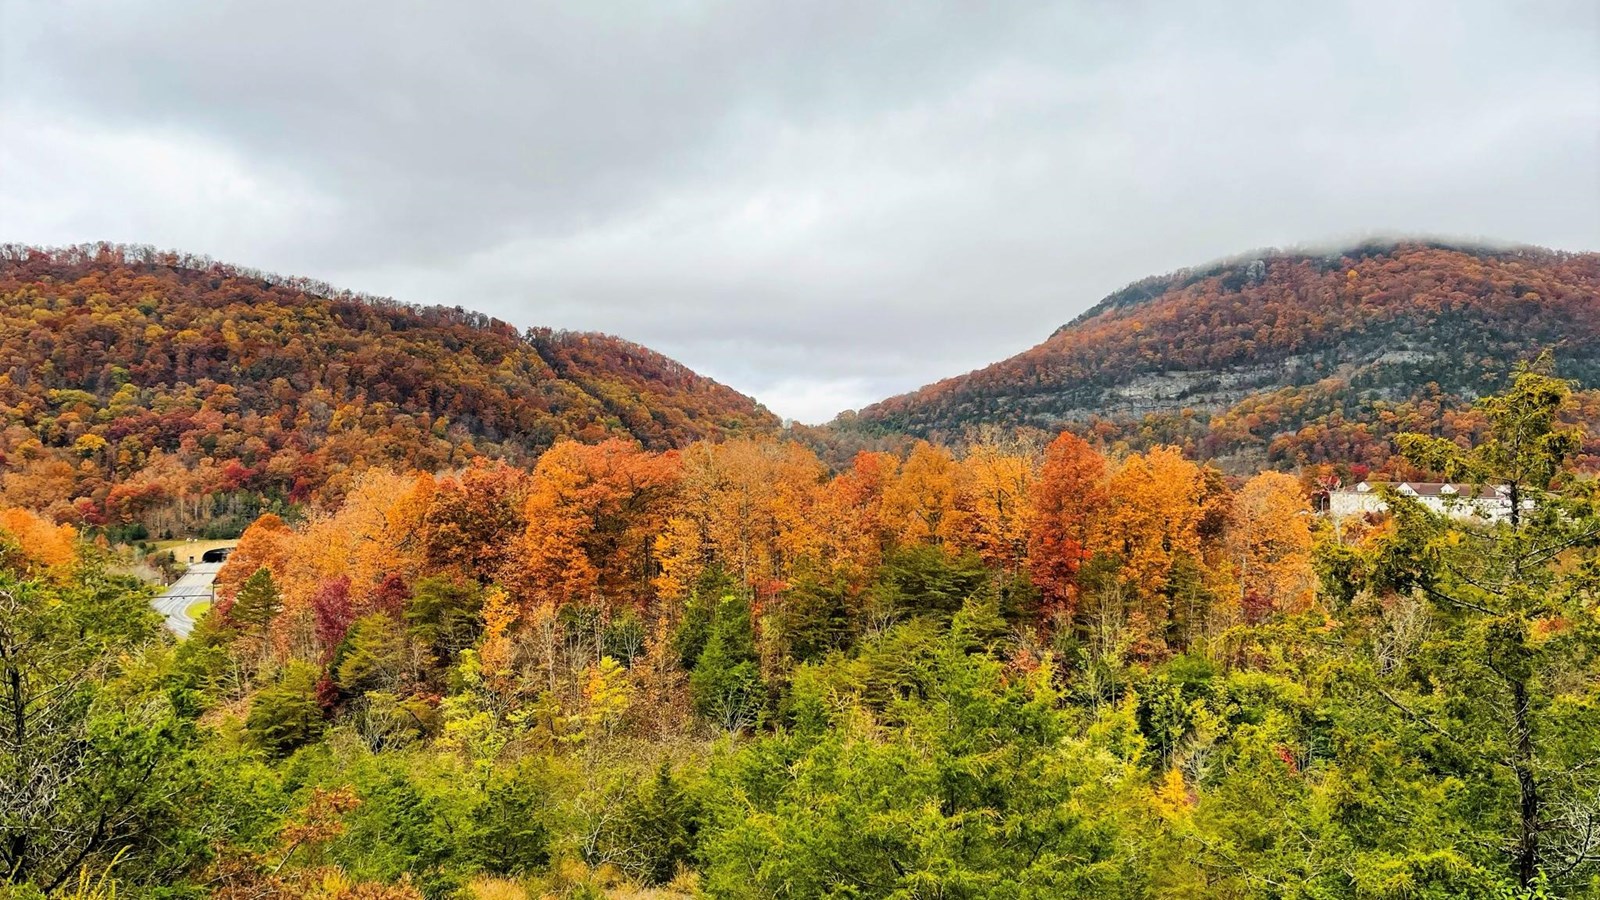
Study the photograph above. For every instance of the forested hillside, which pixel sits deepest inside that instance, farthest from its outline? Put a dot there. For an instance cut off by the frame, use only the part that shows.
(1287, 358)
(1016, 673)
(547, 616)
(148, 389)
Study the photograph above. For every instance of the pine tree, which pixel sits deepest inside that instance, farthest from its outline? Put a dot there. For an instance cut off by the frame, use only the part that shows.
(660, 828)
(373, 656)
(257, 602)
(725, 684)
(978, 626)
(1513, 604)
(286, 715)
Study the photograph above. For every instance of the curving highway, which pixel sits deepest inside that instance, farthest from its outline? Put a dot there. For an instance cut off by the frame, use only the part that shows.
(194, 586)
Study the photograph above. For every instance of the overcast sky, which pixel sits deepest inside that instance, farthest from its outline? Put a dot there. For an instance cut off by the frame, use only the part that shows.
(821, 204)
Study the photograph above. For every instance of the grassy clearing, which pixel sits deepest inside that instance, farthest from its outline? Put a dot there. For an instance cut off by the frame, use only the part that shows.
(185, 549)
(198, 609)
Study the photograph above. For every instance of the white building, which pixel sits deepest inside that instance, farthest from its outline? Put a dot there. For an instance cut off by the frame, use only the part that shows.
(1464, 501)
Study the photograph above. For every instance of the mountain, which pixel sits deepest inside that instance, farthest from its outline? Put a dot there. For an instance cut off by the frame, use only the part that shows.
(1285, 357)
(140, 386)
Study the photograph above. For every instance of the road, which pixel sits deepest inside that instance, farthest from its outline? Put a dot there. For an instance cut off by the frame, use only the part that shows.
(194, 586)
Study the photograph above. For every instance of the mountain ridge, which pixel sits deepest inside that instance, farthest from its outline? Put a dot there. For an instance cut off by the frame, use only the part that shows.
(1129, 295)
(132, 378)
(1379, 322)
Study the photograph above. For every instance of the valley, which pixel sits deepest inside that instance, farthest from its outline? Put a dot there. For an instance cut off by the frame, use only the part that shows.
(458, 612)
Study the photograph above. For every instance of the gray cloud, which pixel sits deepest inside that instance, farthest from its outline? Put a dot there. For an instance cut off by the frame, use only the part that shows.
(819, 203)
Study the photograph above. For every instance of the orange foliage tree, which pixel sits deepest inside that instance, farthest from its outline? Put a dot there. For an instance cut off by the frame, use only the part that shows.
(592, 513)
(469, 526)
(39, 543)
(1068, 501)
(1271, 543)
(267, 543)
(1153, 516)
(999, 485)
(748, 506)
(852, 506)
(926, 503)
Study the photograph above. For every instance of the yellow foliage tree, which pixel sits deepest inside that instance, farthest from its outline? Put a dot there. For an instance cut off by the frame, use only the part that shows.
(750, 506)
(1154, 516)
(682, 550)
(606, 698)
(40, 543)
(1270, 543)
(494, 655)
(1000, 483)
(924, 504)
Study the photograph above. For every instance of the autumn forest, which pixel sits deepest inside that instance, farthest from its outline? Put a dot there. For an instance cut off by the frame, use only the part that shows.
(513, 615)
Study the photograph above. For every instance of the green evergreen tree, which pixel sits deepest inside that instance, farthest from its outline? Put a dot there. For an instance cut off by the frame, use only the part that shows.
(400, 830)
(926, 580)
(689, 639)
(977, 626)
(257, 602)
(815, 617)
(285, 715)
(659, 829)
(443, 616)
(508, 831)
(725, 684)
(1506, 679)
(373, 655)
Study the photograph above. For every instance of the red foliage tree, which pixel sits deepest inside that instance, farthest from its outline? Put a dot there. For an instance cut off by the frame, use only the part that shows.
(1067, 497)
(333, 614)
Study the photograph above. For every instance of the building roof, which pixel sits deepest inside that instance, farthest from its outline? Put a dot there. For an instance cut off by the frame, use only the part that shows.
(1443, 489)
